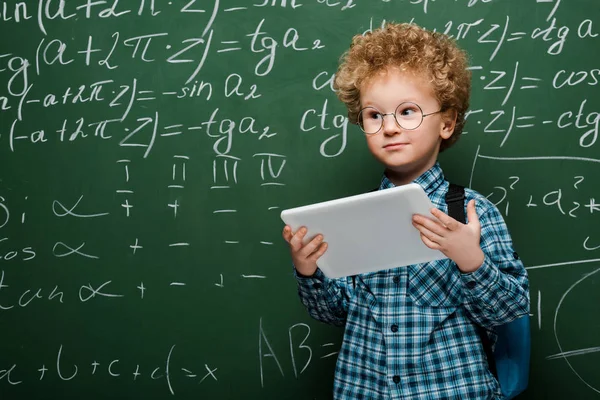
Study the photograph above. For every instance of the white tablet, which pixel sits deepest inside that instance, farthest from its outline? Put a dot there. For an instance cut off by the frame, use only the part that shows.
(367, 232)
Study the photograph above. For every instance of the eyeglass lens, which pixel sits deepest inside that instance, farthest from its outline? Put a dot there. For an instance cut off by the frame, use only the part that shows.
(408, 116)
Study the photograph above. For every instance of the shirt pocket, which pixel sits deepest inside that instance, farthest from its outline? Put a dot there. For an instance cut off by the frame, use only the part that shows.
(435, 284)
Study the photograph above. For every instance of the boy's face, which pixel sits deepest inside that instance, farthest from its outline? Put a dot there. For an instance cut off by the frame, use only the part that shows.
(408, 152)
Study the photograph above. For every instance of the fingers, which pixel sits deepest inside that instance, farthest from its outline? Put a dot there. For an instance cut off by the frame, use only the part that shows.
(431, 236)
(429, 243)
(297, 238)
(287, 233)
(472, 212)
(428, 223)
(311, 246)
(296, 243)
(320, 251)
(445, 219)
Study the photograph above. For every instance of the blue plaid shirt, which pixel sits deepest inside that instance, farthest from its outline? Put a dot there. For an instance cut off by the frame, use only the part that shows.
(410, 332)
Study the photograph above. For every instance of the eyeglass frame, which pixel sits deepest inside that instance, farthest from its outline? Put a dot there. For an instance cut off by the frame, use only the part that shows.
(383, 115)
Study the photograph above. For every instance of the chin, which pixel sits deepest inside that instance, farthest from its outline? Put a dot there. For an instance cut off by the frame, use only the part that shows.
(399, 166)
(403, 166)
(396, 161)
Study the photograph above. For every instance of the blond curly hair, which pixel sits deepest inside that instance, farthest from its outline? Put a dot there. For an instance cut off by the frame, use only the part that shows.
(408, 46)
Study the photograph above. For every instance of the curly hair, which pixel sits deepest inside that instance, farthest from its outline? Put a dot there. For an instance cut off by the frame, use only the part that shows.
(432, 54)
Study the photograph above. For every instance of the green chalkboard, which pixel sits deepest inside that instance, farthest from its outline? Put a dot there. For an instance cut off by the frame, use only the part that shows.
(147, 148)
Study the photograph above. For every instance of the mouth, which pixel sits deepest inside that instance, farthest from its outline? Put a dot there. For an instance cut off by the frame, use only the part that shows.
(392, 146)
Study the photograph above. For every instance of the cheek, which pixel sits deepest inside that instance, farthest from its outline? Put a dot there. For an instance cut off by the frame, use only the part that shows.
(372, 142)
(431, 133)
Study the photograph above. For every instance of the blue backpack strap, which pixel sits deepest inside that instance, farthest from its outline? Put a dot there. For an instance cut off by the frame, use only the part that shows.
(455, 199)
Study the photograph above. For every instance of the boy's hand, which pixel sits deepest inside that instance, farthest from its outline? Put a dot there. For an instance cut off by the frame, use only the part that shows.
(304, 257)
(459, 242)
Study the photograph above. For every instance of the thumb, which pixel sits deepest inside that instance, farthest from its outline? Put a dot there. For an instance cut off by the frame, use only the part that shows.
(472, 213)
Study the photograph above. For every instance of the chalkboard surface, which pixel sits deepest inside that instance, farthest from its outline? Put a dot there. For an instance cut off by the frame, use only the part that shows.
(147, 148)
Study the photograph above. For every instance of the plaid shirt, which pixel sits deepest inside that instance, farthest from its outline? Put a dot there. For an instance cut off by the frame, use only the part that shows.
(410, 332)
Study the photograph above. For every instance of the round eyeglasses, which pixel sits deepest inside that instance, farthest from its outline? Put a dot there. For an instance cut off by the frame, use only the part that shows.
(408, 116)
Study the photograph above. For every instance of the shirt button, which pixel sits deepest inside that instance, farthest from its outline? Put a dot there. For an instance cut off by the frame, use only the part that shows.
(394, 329)
(471, 284)
(396, 379)
(516, 255)
(396, 279)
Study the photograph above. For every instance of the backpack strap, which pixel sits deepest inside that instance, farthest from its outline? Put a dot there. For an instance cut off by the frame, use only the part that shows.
(455, 199)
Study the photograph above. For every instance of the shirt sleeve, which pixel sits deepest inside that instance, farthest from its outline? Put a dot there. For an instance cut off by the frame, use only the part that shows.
(498, 291)
(325, 299)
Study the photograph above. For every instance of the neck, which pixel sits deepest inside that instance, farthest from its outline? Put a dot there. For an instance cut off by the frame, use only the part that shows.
(407, 174)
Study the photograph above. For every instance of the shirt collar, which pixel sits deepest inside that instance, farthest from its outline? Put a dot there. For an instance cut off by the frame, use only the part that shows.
(430, 180)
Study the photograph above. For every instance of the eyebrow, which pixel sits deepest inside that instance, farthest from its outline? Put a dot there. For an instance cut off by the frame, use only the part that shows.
(374, 103)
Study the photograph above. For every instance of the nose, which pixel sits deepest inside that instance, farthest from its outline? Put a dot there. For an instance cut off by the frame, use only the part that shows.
(390, 126)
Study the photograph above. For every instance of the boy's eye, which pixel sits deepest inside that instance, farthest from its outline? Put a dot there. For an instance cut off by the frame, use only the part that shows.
(373, 114)
(407, 111)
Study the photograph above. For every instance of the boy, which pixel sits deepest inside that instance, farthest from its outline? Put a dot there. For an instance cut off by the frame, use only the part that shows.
(411, 332)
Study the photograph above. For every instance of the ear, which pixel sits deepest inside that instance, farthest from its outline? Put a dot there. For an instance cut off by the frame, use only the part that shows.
(448, 123)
